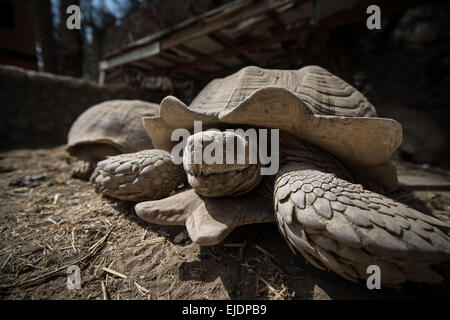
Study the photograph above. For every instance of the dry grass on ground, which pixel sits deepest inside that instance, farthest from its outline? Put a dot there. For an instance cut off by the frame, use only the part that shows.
(50, 221)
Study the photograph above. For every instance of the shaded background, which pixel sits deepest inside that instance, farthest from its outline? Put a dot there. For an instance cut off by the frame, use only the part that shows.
(402, 68)
(49, 75)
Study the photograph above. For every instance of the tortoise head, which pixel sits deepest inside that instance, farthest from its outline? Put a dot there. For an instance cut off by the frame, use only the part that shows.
(221, 163)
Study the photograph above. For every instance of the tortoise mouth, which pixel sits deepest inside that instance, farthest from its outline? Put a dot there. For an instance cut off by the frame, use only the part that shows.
(231, 182)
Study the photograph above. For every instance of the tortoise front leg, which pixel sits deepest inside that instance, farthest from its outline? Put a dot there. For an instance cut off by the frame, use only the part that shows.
(340, 226)
(144, 175)
(208, 220)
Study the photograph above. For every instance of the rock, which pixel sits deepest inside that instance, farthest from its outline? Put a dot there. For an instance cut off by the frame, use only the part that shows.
(27, 181)
(182, 236)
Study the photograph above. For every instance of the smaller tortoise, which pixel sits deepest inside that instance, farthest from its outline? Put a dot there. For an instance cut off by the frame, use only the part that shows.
(106, 129)
(334, 156)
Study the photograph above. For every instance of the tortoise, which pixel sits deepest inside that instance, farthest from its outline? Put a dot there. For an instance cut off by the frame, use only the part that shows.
(108, 128)
(334, 155)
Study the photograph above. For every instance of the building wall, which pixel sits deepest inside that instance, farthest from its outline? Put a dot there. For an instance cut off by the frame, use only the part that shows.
(17, 37)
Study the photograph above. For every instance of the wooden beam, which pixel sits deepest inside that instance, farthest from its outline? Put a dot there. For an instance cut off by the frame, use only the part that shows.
(172, 58)
(241, 48)
(142, 49)
(138, 54)
(330, 21)
(254, 8)
(227, 52)
(154, 37)
(198, 55)
(144, 65)
(211, 25)
(101, 77)
(189, 51)
(334, 20)
(224, 41)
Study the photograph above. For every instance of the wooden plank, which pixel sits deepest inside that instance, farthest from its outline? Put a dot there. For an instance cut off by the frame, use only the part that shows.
(256, 8)
(227, 42)
(142, 49)
(228, 52)
(430, 182)
(247, 26)
(142, 64)
(198, 56)
(138, 54)
(241, 48)
(190, 52)
(160, 61)
(333, 20)
(173, 58)
(169, 57)
(203, 44)
(175, 40)
(101, 77)
(207, 16)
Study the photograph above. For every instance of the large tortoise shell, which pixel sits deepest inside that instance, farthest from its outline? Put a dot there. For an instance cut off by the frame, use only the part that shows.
(116, 123)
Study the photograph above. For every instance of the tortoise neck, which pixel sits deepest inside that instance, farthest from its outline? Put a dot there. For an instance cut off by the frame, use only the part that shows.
(297, 154)
(295, 149)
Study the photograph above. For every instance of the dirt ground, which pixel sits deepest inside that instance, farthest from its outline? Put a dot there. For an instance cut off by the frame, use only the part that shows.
(50, 221)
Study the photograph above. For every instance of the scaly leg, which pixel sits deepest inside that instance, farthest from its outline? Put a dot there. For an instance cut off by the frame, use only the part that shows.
(144, 175)
(82, 169)
(340, 226)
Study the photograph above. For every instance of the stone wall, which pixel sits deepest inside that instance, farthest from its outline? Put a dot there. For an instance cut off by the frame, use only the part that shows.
(407, 77)
(37, 109)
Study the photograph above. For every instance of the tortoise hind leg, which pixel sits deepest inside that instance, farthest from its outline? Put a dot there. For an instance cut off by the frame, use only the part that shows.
(88, 155)
(340, 226)
(82, 169)
(144, 175)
